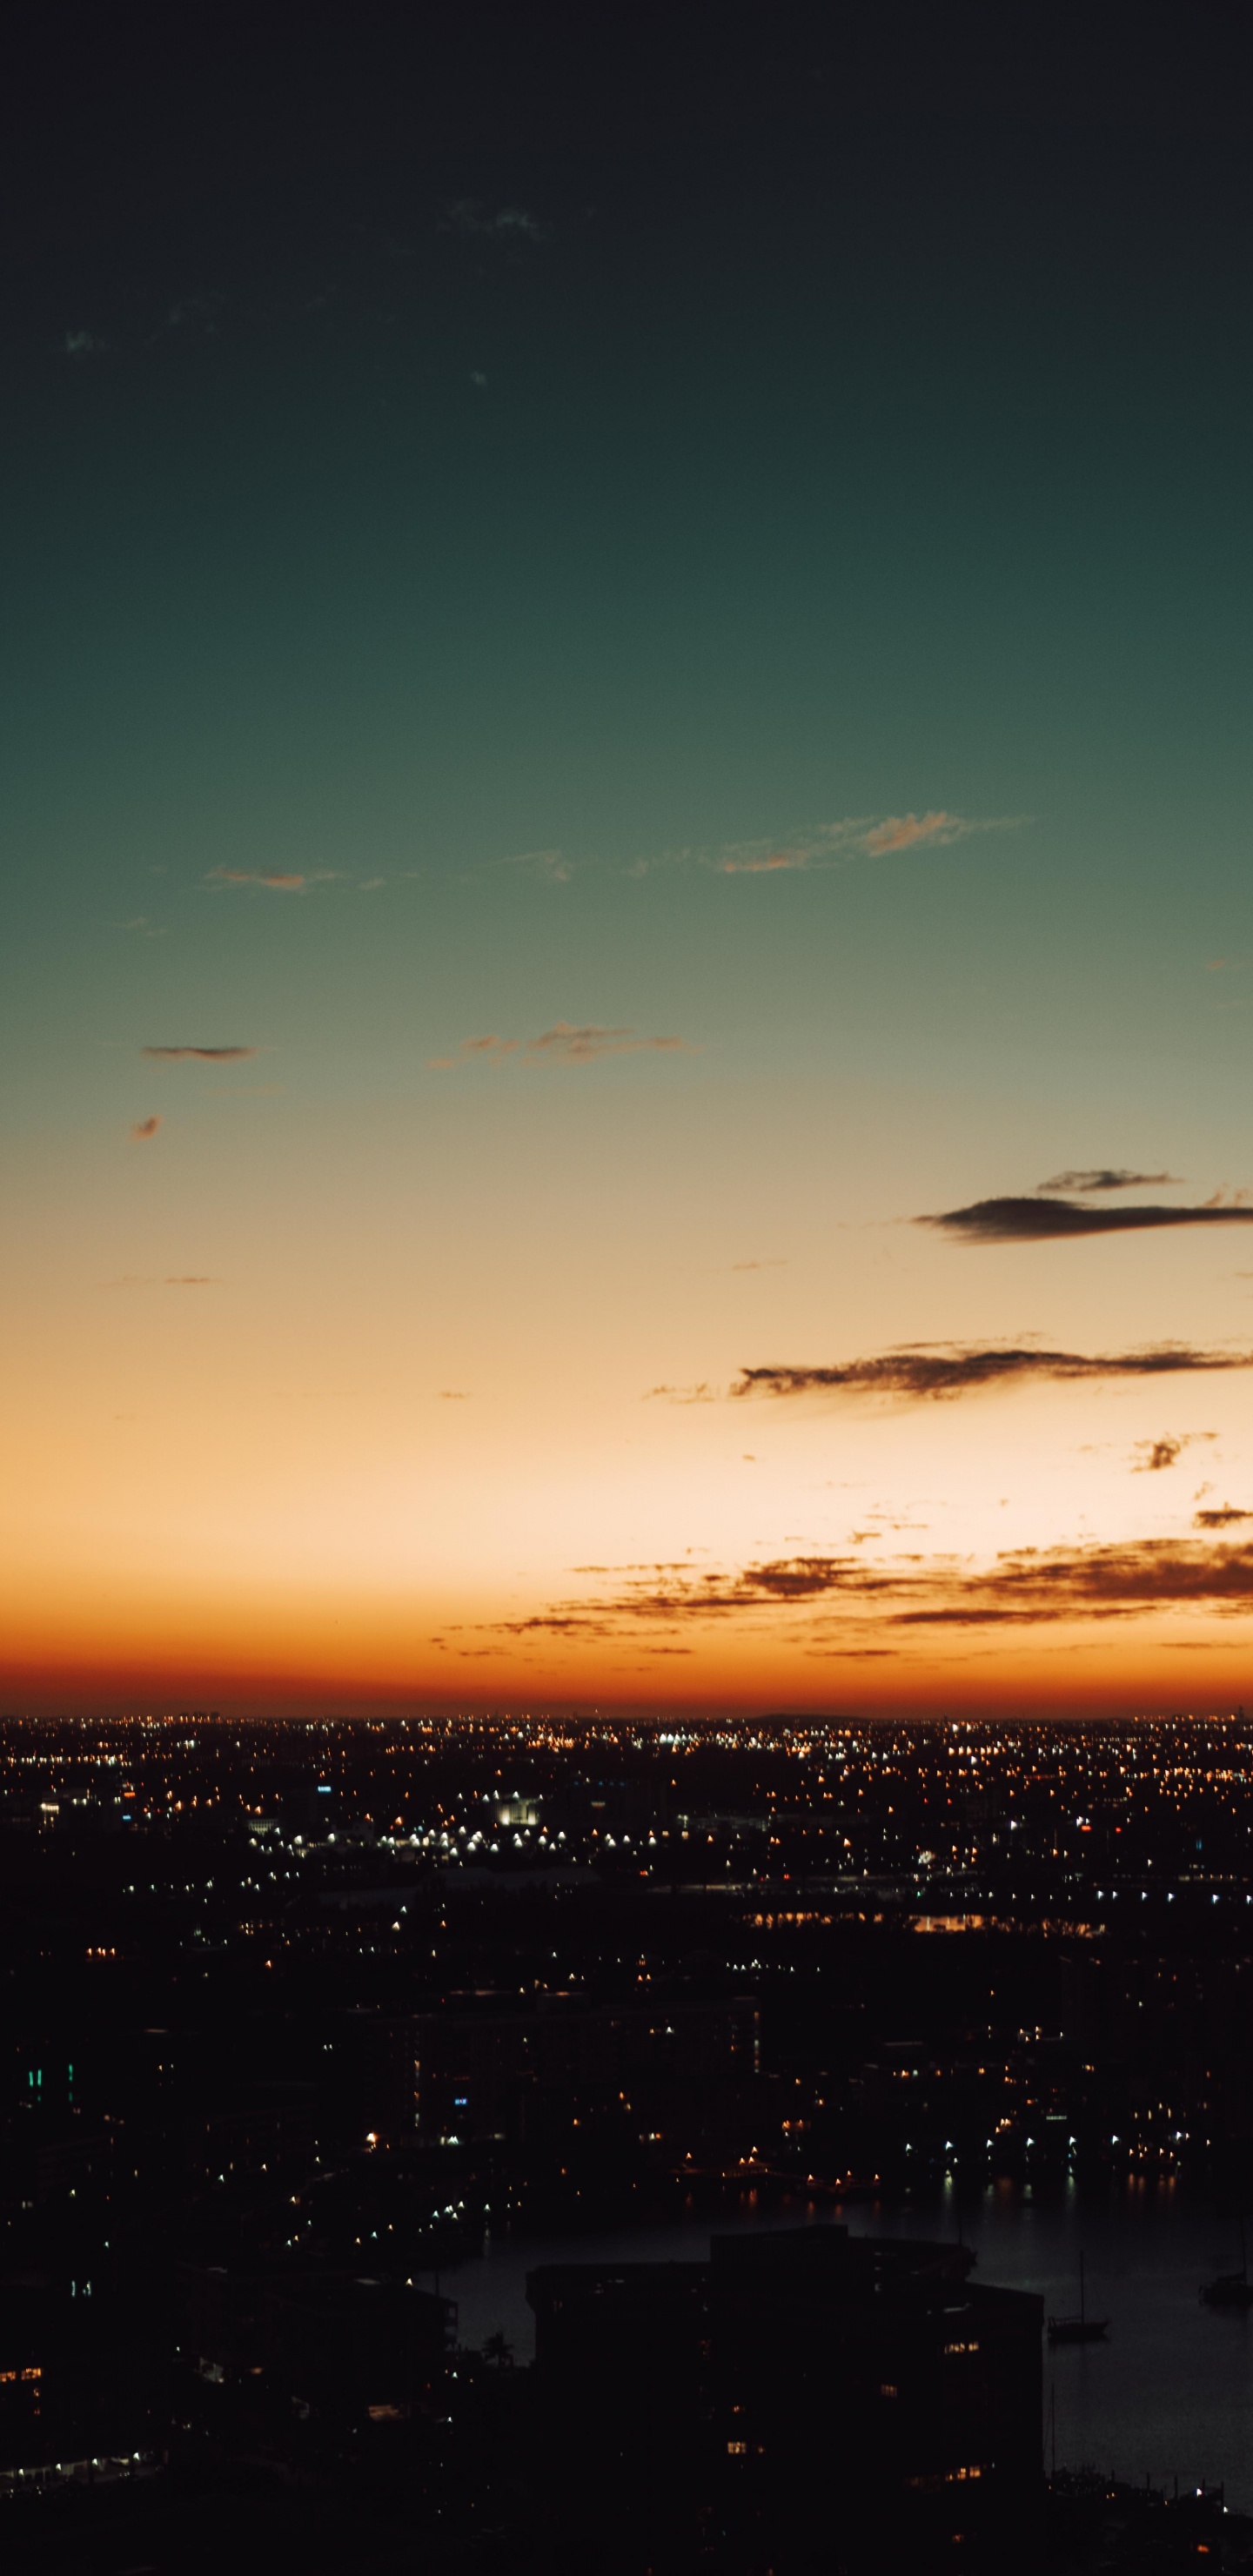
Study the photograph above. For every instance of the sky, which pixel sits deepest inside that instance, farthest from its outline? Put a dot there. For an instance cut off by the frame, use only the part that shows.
(627, 953)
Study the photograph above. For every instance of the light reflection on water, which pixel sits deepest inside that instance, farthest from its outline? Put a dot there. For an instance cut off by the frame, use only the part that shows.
(1171, 2393)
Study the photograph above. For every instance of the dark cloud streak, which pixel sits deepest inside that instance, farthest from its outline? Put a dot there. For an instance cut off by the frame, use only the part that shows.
(1045, 1220)
(963, 1370)
(1107, 1179)
(1021, 1589)
(1159, 1454)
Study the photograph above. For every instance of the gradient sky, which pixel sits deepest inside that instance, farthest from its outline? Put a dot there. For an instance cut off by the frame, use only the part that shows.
(747, 613)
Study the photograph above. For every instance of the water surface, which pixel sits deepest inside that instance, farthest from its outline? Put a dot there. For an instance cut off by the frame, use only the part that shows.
(1170, 2394)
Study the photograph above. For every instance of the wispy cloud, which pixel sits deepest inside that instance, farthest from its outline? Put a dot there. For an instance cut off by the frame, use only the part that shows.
(759, 1265)
(807, 847)
(82, 344)
(1223, 1517)
(205, 1054)
(827, 844)
(200, 315)
(763, 863)
(192, 1279)
(1106, 1179)
(702, 1394)
(933, 1370)
(552, 867)
(275, 880)
(490, 1050)
(1036, 1220)
(910, 831)
(141, 926)
(564, 1043)
(477, 222)
(144, 1128)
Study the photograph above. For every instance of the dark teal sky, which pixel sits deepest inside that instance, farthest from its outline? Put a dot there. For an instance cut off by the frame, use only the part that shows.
(886, 486)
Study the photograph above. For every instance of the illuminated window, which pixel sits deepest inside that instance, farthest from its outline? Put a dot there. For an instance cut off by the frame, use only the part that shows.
(737, 2449)
(886, 2389)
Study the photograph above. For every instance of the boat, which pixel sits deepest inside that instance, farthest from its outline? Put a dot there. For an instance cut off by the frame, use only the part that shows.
(1080, 2329)
(1230, 2289)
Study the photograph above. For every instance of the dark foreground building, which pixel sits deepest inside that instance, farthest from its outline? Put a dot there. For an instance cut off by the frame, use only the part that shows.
(804, 2404)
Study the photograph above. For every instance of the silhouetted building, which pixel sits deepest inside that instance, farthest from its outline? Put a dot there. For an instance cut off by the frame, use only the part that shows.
(802, 2402)
(366, 2076)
